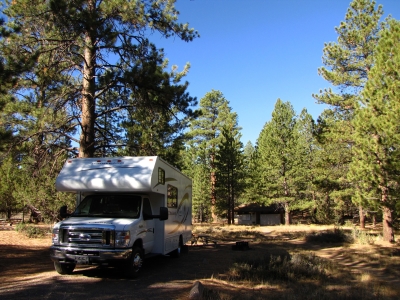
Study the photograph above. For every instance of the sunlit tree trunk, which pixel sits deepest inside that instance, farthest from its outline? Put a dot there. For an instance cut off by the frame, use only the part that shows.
(88, 105)
(362, 217)
(388, 231)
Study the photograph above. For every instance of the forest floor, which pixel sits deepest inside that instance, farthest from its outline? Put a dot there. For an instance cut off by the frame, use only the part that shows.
(269, 268)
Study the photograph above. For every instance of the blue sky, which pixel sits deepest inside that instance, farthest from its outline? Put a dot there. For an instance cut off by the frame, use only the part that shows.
(256, 51)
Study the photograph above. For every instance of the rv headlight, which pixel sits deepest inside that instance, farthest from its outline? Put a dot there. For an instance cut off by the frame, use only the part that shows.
(122, 239)
(55, 236)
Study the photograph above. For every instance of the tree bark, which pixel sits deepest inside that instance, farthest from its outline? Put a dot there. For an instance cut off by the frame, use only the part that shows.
(88, 104)
(233, 206)
(213, 197)
(287, 213)
(362, 217)
(388, 230)
(213, 178)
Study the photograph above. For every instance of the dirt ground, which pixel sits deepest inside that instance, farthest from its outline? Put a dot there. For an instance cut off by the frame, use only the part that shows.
(27, 271)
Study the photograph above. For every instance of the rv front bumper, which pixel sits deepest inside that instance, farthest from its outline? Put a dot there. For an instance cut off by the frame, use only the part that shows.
(88, 256)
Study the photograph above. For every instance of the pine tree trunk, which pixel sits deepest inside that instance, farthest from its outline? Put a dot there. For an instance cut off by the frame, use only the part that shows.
(213, 197)
(88, 105)
(287, 213)
(388, 231)
(286, 204)
(362, 217)
(229, 211)
(233, 207)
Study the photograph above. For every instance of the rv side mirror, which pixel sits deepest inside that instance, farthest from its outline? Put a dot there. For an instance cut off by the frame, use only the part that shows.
(63, 212)
(162, 216)
(163, 213)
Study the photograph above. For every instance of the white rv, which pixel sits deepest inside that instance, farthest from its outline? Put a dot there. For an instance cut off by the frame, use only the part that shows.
(127, 208)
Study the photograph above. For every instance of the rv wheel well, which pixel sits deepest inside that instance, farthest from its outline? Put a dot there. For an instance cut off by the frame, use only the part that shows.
(138, 243)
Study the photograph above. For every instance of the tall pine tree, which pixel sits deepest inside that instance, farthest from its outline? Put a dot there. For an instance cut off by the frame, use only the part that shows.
(347, 64)
(376, 162)
(230, 172)
(206, 136)
(276, 148)
(304, 158)
(102, 50)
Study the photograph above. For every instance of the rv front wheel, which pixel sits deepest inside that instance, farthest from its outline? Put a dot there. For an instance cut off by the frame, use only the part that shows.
(135, 263)
(64, 269)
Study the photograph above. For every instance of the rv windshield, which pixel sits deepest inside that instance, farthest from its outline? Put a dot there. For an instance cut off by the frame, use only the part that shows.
(110, 206)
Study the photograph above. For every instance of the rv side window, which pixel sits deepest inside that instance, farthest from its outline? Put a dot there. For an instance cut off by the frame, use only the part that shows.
(161, 176)
(172, 197)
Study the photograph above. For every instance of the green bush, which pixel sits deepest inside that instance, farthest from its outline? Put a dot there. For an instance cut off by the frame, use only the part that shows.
(336, 235)
(31, 231)
(363, 237)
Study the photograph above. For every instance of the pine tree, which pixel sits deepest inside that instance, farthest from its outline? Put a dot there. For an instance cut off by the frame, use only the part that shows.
(102, 50)
(334, 191)
(36, 187)
(230, 173)
(206, 136)
(9, 173)
(304, 159)
(348, 63)
(350, 59)
(377, 153)
(276, 148)
(249, 194)
(35, 114)
(195, 166)
(153, 130)
(9, 70)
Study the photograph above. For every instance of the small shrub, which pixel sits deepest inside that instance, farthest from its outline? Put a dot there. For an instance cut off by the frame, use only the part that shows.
(336, 235)
(362, 237)
(280, 267)
(30, 231)
(20, 227)
(348, 223)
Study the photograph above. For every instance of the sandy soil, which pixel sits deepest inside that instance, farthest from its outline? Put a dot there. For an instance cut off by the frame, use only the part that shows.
(28, 273)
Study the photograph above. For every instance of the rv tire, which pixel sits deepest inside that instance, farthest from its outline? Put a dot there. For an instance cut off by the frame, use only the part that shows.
(177, 252)
(64, 269)
(135, 263)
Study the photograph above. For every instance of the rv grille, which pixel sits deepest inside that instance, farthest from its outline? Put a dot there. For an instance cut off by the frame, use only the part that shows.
(92, 237)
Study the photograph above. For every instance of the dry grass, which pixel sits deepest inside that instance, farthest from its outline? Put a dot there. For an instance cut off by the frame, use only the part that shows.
(283, 262)
(306, 262)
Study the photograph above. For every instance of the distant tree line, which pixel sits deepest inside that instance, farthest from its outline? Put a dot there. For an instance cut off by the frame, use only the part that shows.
(82, 79)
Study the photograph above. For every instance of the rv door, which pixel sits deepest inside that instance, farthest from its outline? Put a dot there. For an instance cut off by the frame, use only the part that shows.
(148, 223)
